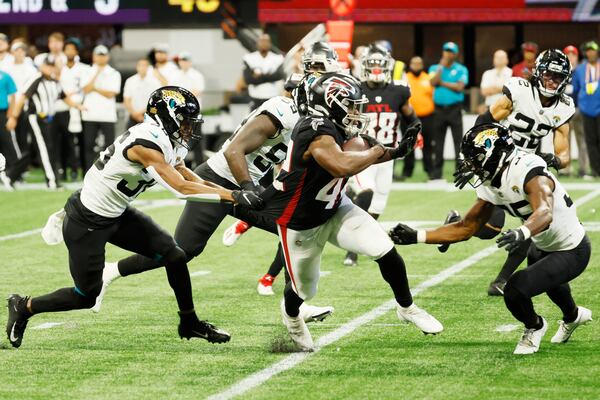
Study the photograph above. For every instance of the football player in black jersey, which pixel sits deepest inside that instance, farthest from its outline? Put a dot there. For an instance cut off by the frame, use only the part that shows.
(388, 104)
(308, 202)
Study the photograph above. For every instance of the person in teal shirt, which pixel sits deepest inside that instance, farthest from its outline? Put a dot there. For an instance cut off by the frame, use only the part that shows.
(7, 144)
(449, 78)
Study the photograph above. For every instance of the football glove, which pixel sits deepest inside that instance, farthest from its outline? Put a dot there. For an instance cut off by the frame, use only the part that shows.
(551, 160)
(252, 187)
(247, 198)
(462, 176)
(511, 239)
(2, 162)
(403, 234)
(407, 143)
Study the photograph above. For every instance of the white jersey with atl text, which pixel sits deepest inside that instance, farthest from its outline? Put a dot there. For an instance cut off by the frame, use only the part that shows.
(114, 181)
(565, 232)
(284, 114)
(529, 121)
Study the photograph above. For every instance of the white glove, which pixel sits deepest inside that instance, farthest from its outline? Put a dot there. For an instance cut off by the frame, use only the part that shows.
(2, 163)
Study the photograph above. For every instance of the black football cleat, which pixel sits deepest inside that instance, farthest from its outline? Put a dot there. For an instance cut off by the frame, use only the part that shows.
(193, 327)
(496, 288)
(453, 216)
(17, 319)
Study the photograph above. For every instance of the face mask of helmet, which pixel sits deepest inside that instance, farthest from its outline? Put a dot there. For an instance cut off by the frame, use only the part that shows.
(320, 60)
(376, 68)
(355, 122)
(552, 73)
(189, 133)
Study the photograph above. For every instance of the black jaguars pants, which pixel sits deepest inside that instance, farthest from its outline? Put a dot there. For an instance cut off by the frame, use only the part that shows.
(197, 223)
(546, 273)
(133, 231)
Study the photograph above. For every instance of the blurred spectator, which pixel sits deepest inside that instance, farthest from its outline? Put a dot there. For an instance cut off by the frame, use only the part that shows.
(8, 145)
(525, 68)
(32, 51)
(585, 89)
(190, 78)
(6, 59)
(67, 124)
(164, 70)
(56, 42)
(399, 70)
(101, 84)
(449, 78)
(421, 99)
(493, 80)
(263, 72)
(42, 91)
(137, 91)
(576, 122)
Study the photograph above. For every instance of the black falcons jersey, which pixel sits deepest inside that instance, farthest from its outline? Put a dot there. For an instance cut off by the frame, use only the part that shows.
(383, 110)
(306, 195)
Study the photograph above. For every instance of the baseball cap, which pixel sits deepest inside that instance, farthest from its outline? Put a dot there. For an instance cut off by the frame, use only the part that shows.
(451, 47)
(185, 55)
(18, 45)
(530, 46)
(101, 50)
(590, 45)
(571, 49)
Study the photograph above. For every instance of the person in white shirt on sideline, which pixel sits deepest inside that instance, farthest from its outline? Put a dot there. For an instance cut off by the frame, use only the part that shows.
(190, 78)
(137, 91)
(56, 43)
(6, 59)
(494, 79)
(164, 70)
(101, 84)
(263, 72)
(21, 70)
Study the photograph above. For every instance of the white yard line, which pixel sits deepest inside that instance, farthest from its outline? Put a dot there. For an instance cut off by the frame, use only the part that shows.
(260, 377)
(199, 273)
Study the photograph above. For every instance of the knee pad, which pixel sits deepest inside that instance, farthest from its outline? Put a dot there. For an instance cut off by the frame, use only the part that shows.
(175, 256)
(363, 199)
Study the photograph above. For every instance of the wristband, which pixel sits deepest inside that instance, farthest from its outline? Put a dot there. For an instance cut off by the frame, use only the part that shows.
(525, 231)
(421, 236)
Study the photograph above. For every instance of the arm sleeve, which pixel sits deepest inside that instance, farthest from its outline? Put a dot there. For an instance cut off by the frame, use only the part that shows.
(278, 75)
(250, 80)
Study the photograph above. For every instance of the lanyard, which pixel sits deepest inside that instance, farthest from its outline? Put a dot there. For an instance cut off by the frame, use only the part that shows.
(592, 75)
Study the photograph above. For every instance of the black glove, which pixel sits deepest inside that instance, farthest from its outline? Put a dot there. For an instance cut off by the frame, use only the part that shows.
(247, 198)
(407, 144)
(371, 141)
(252, 187)
(551, 159)
(511, 239)
(403, 234)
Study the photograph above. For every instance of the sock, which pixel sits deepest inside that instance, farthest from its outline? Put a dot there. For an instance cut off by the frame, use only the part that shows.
(278, 262)
(571, 317)
(179, 278)
(64, 299)
(292, 301)
(393, 271)
(111, 271)
(136, 264)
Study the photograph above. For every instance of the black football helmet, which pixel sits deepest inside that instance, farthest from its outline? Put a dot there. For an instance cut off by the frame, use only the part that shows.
(376, 64)
(486, 149)
(338, 97)
(552, 65)
(320, 57)
(177, 111)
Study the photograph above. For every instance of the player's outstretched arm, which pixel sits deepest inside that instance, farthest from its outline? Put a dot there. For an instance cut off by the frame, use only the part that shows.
(539, 190)
(250, 137)
(168, 175)
(338, 163)
(458, 231)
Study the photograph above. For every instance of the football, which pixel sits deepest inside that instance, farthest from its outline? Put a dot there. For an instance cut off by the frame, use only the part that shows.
(355, 144)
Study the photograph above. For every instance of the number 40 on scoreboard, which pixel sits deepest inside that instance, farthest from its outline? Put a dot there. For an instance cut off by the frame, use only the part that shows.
(205, 6)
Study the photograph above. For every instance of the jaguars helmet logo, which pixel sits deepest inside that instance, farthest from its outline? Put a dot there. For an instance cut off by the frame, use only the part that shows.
(486, 138)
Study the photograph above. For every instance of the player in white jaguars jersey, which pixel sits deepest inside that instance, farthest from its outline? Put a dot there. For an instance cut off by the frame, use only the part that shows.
(246, 161)
(100, 213)
(532, 109)
(520, 183)
(388, 104)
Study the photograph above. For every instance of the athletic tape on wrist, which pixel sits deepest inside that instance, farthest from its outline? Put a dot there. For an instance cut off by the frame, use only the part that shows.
(421, 236)
(526, 232)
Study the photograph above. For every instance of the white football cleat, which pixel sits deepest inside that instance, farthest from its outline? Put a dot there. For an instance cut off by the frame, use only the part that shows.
(531, 339)
(234, 232)
(297, 330)
(565, 329)
(314, 313)
(421, 318)
(8, 186)
(109, 274)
